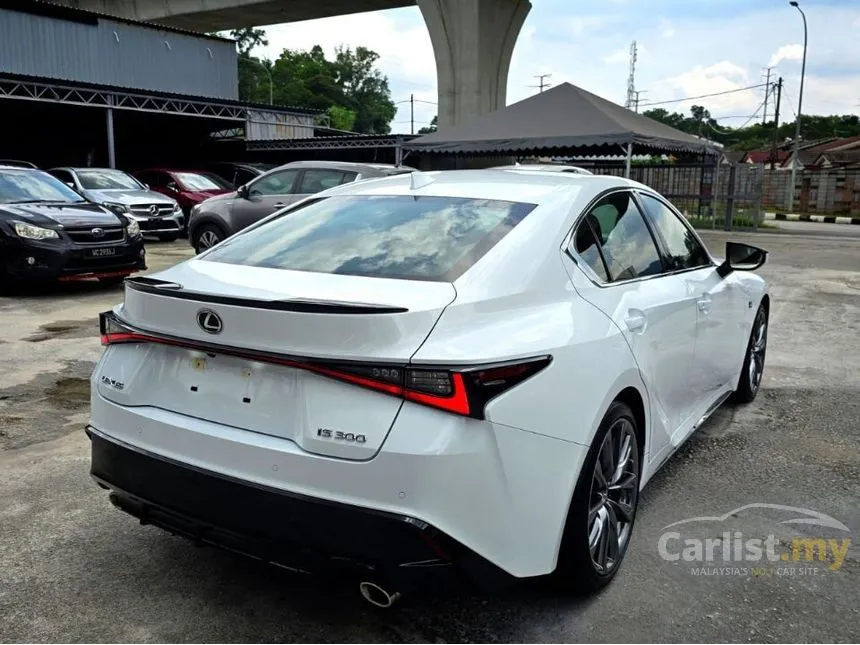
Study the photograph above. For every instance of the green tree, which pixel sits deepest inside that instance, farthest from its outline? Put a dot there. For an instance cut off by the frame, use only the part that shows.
(365, 89)
(434, 125)
(350, 88)
(248, 38)
(341, 118)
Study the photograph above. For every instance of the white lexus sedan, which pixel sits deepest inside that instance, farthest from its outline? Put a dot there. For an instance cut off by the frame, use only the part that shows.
(464, 374)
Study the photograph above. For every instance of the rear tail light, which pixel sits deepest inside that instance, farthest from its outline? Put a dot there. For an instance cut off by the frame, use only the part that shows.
(460, 390)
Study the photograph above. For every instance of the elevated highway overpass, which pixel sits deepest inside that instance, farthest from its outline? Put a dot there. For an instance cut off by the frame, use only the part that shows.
(473, 40)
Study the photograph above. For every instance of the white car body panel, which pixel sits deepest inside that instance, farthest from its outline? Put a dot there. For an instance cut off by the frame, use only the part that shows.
(481, 481)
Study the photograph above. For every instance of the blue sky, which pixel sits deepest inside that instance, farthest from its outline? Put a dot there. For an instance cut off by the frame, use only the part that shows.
(686, 48)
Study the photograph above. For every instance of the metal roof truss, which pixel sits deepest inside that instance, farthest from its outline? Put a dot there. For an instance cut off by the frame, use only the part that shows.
(58, 93)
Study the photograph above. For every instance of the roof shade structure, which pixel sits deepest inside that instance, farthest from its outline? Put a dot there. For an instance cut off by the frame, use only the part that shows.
(563, 118)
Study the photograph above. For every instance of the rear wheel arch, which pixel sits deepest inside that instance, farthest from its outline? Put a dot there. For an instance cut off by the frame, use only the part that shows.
(634, 400)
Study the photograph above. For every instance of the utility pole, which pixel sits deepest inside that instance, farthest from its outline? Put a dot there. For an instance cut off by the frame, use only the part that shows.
(412, 113)
(542, 84)
(795, 156)
(766, 93)
(773, 154)
(636, 99)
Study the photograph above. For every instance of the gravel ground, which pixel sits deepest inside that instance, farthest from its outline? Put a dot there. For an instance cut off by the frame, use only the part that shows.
(74, 569)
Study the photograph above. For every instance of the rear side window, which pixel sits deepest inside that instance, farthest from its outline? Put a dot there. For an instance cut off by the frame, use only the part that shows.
(626, 247)
(316, 180)
(398, 236)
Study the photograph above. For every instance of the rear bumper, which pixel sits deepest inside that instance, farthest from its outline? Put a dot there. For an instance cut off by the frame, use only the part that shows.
(498, 491)
(292, 531)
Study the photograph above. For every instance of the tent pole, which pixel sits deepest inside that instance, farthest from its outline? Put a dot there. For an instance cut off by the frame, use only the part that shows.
(627, 160)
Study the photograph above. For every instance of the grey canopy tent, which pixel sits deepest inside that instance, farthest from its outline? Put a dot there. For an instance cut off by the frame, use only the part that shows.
(562, 118)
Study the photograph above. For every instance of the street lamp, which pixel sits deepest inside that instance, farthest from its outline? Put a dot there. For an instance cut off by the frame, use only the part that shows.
(799, 108)
(268, 73)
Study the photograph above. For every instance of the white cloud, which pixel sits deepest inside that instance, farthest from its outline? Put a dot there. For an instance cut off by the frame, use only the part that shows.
(786, 52)
(618, 56)
(588, 45)
(666, 28)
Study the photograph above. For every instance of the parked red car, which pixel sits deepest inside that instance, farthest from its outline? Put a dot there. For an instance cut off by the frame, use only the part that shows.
(188, 187)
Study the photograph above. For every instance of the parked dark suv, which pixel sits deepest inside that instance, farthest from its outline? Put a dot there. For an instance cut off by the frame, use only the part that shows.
(49, 232)
(219, 217)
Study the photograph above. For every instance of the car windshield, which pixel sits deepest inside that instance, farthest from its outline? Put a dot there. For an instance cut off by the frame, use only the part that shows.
(107, 180)
(402, 237)
(17, 186)
(198, 181)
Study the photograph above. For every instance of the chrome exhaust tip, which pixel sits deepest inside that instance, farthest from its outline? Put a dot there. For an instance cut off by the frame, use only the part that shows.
(377, 596)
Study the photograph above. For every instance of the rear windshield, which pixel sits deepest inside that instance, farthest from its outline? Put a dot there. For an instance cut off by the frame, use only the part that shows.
(401, 237)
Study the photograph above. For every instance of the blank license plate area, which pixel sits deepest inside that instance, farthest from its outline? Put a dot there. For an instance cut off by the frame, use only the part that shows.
(233, 391)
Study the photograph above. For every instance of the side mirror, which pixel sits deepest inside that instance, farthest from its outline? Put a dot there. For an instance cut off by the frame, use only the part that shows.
(172, 187)
(242, 191)
(71, 184)
(741, 257)
(146, 187)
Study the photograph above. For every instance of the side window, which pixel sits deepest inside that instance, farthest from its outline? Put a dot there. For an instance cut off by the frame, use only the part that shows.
(278, 183)
(319, 179)
(243, 177)
(144, 177)
(157, 179)
(685, 251)
(618, 245)
(348, 177)
(63, 175)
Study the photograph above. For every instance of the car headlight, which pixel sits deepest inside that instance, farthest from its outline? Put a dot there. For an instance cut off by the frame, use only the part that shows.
(133, 227)
(119, 209)
(34, 232)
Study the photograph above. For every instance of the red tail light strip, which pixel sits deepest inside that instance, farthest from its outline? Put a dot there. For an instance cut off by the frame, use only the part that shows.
(471, 388)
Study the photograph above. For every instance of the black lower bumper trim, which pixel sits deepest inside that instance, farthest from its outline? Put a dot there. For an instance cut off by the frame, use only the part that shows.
(287, 530)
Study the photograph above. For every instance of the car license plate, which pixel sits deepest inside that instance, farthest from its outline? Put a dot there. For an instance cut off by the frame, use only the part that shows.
(102, 252)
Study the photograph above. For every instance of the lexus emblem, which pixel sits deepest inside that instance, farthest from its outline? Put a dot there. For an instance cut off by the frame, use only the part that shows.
(153, 210)
(209, 321)
(98, 232)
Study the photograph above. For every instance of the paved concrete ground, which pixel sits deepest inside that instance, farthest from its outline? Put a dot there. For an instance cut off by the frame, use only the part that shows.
(74, 569)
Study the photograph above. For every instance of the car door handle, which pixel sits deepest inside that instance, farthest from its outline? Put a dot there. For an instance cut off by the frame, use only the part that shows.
(278, 204)
(704, 304)
(635, 321)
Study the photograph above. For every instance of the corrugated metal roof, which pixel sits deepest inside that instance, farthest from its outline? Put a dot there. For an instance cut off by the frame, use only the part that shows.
(63, 12)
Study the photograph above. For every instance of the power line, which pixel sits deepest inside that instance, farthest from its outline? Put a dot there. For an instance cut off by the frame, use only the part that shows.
(755, 114)
(410, 100)
(704, 96)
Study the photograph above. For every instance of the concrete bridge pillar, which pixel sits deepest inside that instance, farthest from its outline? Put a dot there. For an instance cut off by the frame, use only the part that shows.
(473, 41)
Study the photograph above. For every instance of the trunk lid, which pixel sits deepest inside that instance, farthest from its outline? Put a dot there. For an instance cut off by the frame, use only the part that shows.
(290, 314)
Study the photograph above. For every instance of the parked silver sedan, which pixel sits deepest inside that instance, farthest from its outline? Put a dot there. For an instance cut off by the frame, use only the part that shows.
(157, 215)
(219, 217)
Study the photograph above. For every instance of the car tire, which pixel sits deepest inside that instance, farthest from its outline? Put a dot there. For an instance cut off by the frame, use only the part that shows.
(753, 369)
(168, 237)
(589, 558)
(208, 236)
